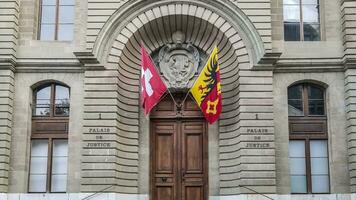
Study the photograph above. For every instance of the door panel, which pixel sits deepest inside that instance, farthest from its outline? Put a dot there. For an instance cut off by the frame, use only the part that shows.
(164, 153)
(193, 153)
(193, 146)
(165, 193)
(193, 193)
(178, 159)
(193, 160)
(164, 161)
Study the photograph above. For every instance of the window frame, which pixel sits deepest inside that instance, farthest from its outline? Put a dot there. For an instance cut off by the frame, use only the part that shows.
(305, 100)
(308, 174)
(50, 137)
(52, 106)
(50, 141)
(56, 23)
(301, 22)
(307, 137)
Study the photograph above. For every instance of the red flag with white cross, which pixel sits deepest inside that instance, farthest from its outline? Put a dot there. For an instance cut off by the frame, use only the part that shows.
(152, 86)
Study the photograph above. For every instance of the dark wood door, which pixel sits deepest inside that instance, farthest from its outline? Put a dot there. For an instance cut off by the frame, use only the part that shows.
(193, 158)
(179, 158)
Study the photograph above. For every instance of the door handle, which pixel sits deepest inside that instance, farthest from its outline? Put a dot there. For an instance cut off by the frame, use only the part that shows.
(183, 175)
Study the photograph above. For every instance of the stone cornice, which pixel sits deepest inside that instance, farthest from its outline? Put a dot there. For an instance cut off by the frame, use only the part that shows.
(8, 64)
(267, 62)
(309, 65)
(52, 65)
(84, 61)
(303, 65)
(37, 65)
(349, 63)
(89, 61)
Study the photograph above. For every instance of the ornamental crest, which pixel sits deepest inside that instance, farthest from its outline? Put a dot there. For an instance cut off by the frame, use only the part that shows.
(178, 62)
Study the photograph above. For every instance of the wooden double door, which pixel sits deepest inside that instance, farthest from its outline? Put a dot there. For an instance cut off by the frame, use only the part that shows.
(179, 158)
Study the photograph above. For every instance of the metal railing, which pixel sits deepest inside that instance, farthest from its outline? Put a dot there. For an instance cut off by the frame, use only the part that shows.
(254, 191)
(97, 193)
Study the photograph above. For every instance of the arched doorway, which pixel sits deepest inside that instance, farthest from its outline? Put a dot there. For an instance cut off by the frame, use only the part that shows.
(205, 24)
(178, 151)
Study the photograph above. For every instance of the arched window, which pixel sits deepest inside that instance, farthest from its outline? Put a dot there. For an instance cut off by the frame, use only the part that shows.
(308, 139)
(49, 139)
(306, 100)
(51, 101)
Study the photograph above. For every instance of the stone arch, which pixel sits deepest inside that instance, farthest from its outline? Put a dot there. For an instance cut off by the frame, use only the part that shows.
(117, 47)
(313, 81)
(124, 56)
(223, 14)
(47, 81)
(231, 58)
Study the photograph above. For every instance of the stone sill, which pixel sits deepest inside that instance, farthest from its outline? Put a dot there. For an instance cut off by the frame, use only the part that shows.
(116, 196)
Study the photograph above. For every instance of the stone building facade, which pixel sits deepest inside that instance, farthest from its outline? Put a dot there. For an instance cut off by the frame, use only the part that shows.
(109, 138)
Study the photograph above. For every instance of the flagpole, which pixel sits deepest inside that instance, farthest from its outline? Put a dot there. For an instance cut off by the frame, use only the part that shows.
(174, 101)
(185, 97)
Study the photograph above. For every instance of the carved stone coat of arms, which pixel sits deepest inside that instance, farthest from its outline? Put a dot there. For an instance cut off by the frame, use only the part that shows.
(178, 62)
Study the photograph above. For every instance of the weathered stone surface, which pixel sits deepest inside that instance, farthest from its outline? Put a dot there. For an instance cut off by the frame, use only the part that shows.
(250, 142)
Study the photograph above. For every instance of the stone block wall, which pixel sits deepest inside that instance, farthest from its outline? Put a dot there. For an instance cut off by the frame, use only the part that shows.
(259, 12)
(115, 164)
(9, 14)
(348, 15)
(9, 28)
(258, 167)
(243, 142)
(348, 27)
(350, 101)
(6, 111)
(111, 119)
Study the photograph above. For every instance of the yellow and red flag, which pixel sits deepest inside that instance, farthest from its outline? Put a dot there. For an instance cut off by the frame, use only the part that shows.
(207, 89)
